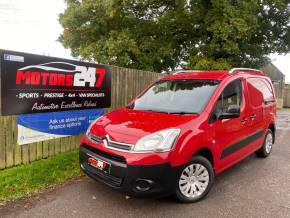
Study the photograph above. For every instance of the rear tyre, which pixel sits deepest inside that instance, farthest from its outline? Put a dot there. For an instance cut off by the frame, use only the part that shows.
(195, 180)
(266, 149)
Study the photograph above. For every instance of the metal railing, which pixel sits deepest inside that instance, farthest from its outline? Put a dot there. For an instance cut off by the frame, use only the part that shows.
(244, 69)
(230, 71)
(175, 72)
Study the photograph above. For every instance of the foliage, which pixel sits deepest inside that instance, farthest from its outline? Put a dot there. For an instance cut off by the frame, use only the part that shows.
(25, 180)
(159, 35)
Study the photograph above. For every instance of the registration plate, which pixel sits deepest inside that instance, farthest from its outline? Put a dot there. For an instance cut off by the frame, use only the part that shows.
(99, 164)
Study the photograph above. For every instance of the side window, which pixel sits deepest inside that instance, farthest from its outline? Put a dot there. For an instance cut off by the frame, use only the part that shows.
(267, 90)
(231, 95)
(259, 91)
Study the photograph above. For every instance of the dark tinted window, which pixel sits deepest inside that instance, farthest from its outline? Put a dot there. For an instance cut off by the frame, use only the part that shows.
(177, 96)
(232, 95)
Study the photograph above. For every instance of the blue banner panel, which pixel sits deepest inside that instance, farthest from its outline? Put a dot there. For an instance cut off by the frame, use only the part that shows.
(60, 123)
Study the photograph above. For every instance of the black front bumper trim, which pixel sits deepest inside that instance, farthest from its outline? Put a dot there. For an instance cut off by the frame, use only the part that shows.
(161, 178)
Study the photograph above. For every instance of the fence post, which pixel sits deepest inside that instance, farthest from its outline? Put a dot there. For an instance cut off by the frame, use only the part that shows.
(2, 144)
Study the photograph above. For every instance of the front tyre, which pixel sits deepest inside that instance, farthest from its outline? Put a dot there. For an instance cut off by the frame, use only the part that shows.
(195, 180)
(266, 149)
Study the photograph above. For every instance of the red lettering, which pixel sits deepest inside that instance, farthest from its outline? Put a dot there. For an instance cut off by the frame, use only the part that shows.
(53, 79)
(61, 79)
(102, 73)
(35, 78)
(69, 80)
(93, 162)
(20, 76)
(44, 76)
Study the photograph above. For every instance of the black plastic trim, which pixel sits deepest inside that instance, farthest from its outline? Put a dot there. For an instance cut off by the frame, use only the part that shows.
(270, 101)
(96, 174)
(241, 144)
(103, 154)
(162, 178)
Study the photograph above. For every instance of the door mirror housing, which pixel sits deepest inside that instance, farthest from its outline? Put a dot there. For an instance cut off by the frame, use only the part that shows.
(233, 111)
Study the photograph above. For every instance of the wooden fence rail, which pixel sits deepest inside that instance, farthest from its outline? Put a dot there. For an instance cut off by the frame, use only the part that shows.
(126, 83)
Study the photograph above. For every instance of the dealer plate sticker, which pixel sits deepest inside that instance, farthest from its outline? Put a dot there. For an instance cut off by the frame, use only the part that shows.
(99, 164)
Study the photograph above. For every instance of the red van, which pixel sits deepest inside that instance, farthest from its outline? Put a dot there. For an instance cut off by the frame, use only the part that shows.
(181, 132)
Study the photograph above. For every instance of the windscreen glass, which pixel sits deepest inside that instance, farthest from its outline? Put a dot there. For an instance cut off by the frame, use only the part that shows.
(177, 96)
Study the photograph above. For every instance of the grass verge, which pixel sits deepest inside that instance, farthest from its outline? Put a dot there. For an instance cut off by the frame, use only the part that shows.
(25, 180)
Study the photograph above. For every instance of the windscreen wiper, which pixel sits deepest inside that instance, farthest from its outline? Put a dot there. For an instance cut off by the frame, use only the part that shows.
(182, 112)
(163, 112)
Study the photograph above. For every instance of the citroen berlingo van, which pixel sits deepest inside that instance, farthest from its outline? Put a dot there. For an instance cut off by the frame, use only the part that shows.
(181, 132)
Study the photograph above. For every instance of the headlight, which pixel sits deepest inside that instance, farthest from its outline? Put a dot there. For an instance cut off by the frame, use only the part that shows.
(91, 125)
(158, 141)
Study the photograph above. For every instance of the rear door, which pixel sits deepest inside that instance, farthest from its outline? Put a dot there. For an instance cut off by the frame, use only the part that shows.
(261, 99)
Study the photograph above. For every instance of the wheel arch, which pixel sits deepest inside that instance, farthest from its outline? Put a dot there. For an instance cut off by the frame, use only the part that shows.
(206, 153)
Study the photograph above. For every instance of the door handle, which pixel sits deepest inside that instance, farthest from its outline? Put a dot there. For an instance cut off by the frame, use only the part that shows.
(253, 116)
(244, 120)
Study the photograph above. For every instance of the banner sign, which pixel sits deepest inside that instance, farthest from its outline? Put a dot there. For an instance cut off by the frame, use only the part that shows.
(38, 84)
(45, 126)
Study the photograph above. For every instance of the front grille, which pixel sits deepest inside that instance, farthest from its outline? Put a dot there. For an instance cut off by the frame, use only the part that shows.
(120, 146)
(112, 144)
(105, 154)
(94, 138)
(99, 175)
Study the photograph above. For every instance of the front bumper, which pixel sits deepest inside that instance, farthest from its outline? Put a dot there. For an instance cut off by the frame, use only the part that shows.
(135, 180)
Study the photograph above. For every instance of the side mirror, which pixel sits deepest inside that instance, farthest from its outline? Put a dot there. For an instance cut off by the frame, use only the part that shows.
(233, 111)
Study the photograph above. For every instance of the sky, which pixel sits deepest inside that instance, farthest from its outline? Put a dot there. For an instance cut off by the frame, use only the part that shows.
(32, 26)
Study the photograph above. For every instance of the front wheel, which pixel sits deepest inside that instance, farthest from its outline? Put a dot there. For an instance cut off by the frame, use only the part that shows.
(266, 149)
(195, 180)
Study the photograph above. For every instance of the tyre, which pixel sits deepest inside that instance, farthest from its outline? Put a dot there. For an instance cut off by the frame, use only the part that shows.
(195, 180)
(266, 149)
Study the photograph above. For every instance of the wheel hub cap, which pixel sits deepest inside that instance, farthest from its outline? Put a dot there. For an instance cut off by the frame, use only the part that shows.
(269, 143)
(194, 180)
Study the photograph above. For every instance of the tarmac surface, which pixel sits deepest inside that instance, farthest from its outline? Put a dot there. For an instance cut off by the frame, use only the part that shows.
(253, 188)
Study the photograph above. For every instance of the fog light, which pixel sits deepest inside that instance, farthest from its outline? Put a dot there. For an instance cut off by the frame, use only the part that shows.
(143, 185)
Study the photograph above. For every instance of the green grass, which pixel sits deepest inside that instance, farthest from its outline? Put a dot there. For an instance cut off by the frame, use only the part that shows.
(25, 180)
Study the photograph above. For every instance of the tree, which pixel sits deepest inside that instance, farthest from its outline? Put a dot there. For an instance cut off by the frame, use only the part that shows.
(160, 35)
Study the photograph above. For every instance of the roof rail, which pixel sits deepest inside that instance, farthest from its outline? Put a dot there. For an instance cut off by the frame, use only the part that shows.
(244, 69)
(182, 71)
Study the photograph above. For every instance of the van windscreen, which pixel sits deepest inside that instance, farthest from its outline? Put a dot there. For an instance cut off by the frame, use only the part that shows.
(188, 96)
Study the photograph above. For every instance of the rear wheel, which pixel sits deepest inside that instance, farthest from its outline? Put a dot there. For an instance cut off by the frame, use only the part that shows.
(266, 149)
(195, 180)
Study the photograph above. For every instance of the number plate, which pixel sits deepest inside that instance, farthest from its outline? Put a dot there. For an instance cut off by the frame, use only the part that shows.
(99, 164)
